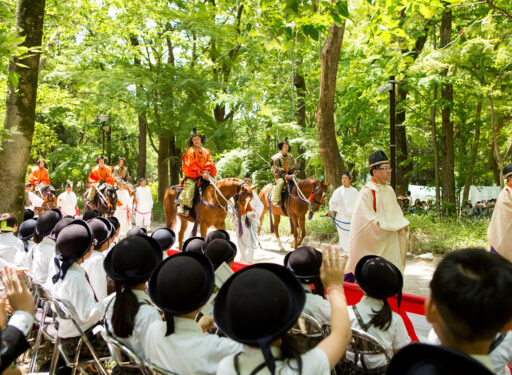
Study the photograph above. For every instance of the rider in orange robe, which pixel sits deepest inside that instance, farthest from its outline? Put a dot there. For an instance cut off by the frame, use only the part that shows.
(100, 173)
(39, 175)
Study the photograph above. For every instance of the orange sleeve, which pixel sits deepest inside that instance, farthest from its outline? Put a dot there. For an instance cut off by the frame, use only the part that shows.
(210, 165)
(191, 167)
(44, 177)
(32, 178)
(93, 177)
(108, 177)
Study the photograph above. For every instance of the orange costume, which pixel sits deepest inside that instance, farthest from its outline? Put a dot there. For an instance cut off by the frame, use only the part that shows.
(196, 163)
(99, 174)
(39, 175)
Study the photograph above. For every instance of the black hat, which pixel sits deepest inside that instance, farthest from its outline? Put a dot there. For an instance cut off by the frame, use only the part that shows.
(305, 263)
(121, 158)
(165, 238)
(282, 143)
(181, 284)
(90, 214)
(195, 244)
(101, 230)
(507, 170)
(101, 157)
(28, 184)
(47, 221)
(65, 221)
(133, 259)
(120, 181)
(220, 251)
(26, 231)
(74, 241)
(426, 359)
(135, 231)
(68, 184)
(377, 158)
(247, 175)
(113, 220)
(379, 278)
(28, 214)
(142, 179)
(347, 174)
(196, 134)
(219, 233)
(258, 304)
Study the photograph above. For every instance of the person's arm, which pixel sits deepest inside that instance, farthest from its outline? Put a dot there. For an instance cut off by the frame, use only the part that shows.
(210, 166)
(331, 274)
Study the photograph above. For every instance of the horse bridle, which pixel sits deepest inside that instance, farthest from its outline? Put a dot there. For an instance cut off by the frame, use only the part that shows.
(236, 197)
(313, 196)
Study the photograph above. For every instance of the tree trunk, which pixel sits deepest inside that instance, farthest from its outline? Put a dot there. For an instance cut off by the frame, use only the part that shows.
(402, 166)
(448, 151)
(473, 153)
(174, 162)
(21, 108)
(300, 86)
(329, 152)
(163, 166)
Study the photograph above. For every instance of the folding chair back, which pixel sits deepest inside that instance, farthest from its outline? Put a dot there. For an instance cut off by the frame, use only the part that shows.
(156, 370)
(122, 355)
(307, 332)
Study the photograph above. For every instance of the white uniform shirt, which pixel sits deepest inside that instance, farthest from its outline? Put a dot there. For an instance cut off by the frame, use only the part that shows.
(396, 337)
(317, 307)
(144, 200)
(314, 362)
(35, 201)
(24, 259)
(10, 245)
(67, 203)
(44, 252)
(342, 201)
(76, 290)
(146, 315)
(97, 275)
(188, 350)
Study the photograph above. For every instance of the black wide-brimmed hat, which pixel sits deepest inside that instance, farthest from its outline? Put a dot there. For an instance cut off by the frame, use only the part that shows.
(101, 230)
(133, 259)
(195, 133)
(26, 231)
(47, 221)
(195, 244)
(28, 214)
(219, 233)
(305, 263)
(379, 278)
(73, 242)
(165, 237)
(507, 170)
(136, 231)
(90, 214)
(181, 284)
(64, 222)
(377, 158)
(282, 143)
(220, 251)
(258, 304)
(425, 359)
(115, 222)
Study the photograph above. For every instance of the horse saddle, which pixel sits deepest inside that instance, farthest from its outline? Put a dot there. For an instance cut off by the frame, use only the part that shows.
(204, 184)
(285, 194)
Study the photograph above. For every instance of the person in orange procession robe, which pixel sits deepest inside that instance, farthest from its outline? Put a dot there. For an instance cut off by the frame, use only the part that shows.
(100, 174)
(39, 175)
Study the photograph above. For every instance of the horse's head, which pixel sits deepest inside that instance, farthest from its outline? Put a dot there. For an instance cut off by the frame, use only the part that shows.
(49, 194)
(243, 196)
(317, 197)
(111, 195)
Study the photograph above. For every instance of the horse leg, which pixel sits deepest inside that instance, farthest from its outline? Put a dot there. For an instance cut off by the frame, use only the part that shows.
(204, 229)
(293, 219)
(183, 228)
(262, 217)
(277, 219)
(302, 224)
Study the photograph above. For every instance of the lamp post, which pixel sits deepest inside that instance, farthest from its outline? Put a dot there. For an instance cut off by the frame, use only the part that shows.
(390, 86)
(104, 128)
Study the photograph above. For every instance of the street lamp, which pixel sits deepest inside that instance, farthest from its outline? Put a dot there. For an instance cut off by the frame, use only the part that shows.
(390, 86)
(104, 128)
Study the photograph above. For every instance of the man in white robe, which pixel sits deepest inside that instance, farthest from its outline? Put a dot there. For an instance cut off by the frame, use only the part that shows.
(341, 206)
(378, 224)
(67, 202)
(32, 200)
(124, 208)
(499, 233)
(143, 205)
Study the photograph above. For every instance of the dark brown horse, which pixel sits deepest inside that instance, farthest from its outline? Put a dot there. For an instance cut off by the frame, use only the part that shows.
(214, 207)
(105, 202)
(296, 207)
(49, 195)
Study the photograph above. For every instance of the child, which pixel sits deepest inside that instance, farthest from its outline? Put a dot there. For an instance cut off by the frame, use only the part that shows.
(180, 286)
(70, 283)
(259, 304)
(195, 244)
(220, 251)
(44, 251)
(470, 303)
(93, 265)
(305, 263)
(23, 257)
(9, 244)
(216, 234)
(130, 314)
(165, 238)
(379, 279)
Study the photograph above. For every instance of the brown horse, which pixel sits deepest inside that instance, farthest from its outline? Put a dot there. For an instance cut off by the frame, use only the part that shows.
(296, 207)
(105, 203)
(49, 195)
(214, 207)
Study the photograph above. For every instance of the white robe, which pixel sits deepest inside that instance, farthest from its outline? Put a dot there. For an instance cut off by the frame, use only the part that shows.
(67, 203)
(342, 202)
(378, 227)
(499, 233)
(143, 206)
(248, 241)
(123, 208)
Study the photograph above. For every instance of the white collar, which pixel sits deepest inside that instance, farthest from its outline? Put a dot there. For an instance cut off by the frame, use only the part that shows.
(186, 325)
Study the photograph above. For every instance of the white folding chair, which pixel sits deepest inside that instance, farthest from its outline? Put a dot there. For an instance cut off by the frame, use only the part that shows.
(156, 370)
(362, 345)
(122, 355)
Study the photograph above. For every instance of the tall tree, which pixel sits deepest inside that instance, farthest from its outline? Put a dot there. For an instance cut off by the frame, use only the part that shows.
(21, 106)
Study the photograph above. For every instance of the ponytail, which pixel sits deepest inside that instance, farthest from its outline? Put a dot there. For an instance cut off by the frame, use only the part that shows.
(319, 287)
(382, 319)
(125, 309)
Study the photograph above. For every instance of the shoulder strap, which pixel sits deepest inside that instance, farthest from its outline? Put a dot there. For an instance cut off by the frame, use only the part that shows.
(363, 325)
(236, 362)
(496, 342)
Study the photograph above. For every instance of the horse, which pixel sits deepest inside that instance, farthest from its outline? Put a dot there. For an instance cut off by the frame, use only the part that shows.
(49, 195)
(214, 207)
(105, 202)
(295, 206)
